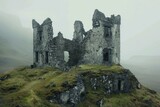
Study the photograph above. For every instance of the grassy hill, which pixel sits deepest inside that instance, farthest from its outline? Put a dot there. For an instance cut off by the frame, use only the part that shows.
(26, 87)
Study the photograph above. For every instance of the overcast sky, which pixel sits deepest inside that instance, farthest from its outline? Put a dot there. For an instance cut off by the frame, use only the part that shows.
(137, 15)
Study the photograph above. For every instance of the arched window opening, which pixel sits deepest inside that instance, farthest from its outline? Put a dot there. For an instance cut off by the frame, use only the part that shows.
(40, 35)
(36, 56)
(66, 56)
(46, 57)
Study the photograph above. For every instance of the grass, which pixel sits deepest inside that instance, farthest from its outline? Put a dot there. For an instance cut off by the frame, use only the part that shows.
(31, 87)
(97, 68)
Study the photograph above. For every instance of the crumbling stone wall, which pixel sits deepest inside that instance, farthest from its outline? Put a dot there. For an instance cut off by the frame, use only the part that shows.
(100, 45)
(42, 34)
(78, 32)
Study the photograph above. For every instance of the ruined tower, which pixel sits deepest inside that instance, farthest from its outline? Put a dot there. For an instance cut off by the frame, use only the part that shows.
(100, 45)
(42, 34)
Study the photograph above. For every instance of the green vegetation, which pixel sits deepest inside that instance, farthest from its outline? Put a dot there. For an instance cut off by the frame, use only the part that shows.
(26, 87)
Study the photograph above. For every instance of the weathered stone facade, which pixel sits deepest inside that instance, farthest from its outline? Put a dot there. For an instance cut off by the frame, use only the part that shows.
(100, 45)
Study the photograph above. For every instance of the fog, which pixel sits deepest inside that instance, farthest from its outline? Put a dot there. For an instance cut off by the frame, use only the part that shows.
(140, 46)
(146, 69)
(15, 43)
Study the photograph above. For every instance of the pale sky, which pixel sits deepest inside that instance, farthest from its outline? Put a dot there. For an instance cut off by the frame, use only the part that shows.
(137, 15)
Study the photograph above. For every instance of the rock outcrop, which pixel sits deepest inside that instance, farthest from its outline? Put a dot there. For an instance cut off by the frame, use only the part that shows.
(107, 81)
(71, 96)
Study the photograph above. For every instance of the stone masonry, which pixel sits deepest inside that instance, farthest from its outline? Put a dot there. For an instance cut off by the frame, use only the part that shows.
(100, 45)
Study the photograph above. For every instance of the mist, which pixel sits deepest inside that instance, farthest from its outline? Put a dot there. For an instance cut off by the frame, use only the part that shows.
(146, 69)
(15, 43)
(140, 51)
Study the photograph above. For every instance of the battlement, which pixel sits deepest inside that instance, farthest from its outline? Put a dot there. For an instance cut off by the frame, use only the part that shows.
(99, 45)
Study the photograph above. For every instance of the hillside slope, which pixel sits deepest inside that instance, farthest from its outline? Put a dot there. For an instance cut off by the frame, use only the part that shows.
(82, 86)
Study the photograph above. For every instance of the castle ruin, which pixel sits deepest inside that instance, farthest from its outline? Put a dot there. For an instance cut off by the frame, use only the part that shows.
(100, 45)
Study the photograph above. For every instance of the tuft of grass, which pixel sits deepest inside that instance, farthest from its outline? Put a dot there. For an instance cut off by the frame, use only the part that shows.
(34, 101)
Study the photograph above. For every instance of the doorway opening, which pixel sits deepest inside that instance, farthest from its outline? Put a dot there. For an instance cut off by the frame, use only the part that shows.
(40, 35)
(107, 55)
(119, 85)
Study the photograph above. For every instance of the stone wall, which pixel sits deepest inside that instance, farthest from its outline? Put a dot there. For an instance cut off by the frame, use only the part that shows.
(42, 34)
(100, 45)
